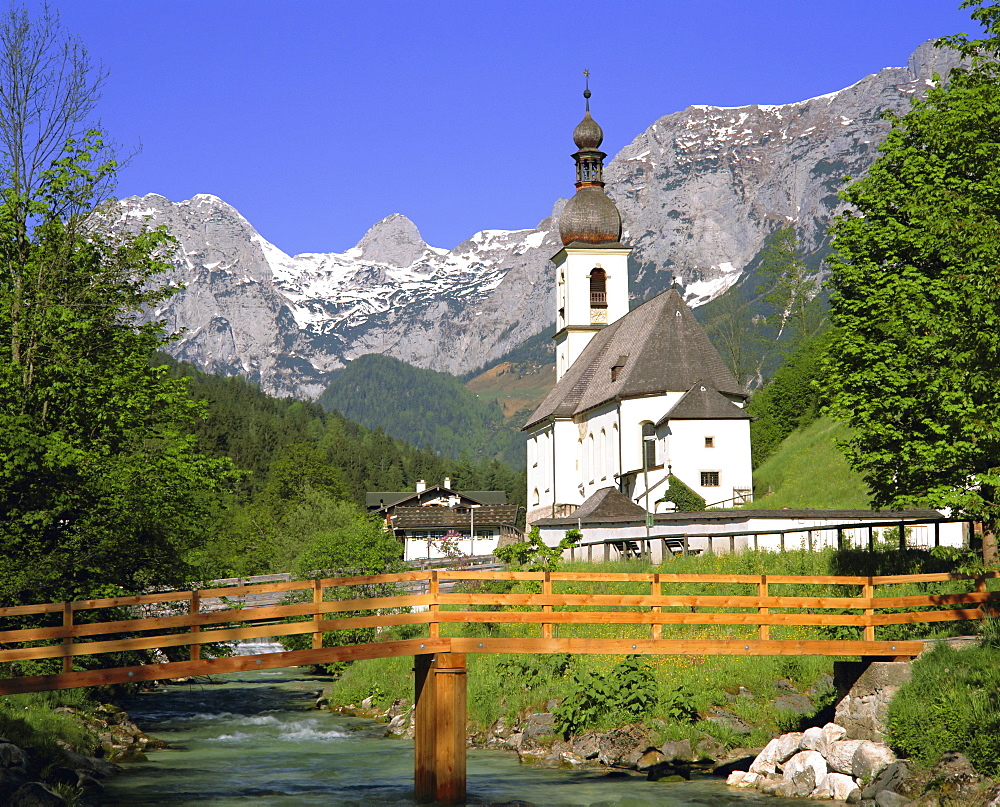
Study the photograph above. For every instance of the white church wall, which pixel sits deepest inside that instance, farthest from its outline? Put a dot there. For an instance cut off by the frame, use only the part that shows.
(690, 456)
(635, 412)
(576, 269)
(597, 445)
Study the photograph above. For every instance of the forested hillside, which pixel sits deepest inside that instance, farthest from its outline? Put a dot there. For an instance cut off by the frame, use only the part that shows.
(298, 503)
(427, 409)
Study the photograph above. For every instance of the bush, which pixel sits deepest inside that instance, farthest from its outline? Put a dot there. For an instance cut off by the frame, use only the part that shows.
(952, 703)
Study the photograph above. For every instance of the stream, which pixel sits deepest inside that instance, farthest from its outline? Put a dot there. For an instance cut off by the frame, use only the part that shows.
(255, 738)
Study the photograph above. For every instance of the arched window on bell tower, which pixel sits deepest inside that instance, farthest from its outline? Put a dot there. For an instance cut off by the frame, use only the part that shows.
(598, 295)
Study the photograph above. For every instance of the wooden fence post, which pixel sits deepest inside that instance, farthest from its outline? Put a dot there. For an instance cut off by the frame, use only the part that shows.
(67, 662)
(656, 590)
(764, 631)
(434, 628)
(317, 601)
(449, 741)
(869, 592)
(425, 726)
(547, 591)
(194, 609)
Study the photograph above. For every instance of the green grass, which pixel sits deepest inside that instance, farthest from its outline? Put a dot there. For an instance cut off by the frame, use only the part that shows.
(951, 704)
(809, 471)
(31, 721)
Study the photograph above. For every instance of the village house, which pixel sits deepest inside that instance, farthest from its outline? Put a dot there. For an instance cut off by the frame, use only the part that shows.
(432, 522)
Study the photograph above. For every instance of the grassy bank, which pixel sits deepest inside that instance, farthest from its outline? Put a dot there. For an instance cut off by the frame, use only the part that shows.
(809, 470)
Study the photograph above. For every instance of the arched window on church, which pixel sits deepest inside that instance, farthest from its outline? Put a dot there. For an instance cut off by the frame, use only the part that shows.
(604, 454)
(590, 453)
(648, 446)
(534, 497)
(614, 449)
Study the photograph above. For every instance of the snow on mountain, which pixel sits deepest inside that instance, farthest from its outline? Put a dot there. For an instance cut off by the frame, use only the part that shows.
(699, 192)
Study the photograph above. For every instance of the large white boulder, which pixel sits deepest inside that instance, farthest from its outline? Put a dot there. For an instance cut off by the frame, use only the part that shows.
(803, 761)
(837, 786)
(869, 759)
(840, 755)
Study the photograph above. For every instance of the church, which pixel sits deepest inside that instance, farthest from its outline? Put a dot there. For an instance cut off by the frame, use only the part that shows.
(641, 396)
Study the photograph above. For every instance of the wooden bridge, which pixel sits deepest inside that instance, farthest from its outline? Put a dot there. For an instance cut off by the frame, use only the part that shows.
(521, 612)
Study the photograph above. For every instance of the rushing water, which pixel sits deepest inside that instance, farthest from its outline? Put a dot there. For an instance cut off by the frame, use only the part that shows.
(255, 738)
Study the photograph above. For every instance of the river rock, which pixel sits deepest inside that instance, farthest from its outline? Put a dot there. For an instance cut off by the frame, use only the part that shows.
(35, 794)
(869, 759)
(710, 748)
(650, 758)
(623, 746)
(813, 739)
(12, 756)
(955, 778)
(587, 745)
(677, 750)
(886, 798)
(840, 755)
(793, 702)
(776, 753)
(838, 786)
(889, 778)
(743, 779)
(539, 725)
(803, 773)
(730, 720)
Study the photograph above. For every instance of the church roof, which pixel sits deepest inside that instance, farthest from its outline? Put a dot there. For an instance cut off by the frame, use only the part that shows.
(701, 402)
(665, 350)
(608, 504)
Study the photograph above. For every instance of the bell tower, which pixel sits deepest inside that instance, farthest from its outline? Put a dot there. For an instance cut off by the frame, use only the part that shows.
(592, 266)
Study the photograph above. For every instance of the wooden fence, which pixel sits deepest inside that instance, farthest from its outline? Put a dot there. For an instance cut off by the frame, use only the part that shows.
(652, 613)
(841, 536)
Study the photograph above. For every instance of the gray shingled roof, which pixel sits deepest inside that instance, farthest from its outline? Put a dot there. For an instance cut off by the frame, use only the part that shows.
(608, 504)
(376, 499)
(666, 349)
(701, 402)
(446, 517)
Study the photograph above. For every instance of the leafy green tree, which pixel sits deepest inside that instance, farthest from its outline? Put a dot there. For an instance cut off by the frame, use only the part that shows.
(915, 368)
(790, 400)
(791, 290)
(98, 487)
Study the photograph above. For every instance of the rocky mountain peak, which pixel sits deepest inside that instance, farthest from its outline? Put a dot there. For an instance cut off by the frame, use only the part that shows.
(394, 240)
(927, 60)
(699, 193)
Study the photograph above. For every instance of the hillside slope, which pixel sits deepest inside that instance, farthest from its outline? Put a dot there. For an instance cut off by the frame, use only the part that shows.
(428, 409)
(808, 470)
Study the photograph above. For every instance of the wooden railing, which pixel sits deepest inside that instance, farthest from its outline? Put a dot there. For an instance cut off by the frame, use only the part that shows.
(656, 613)
(812, 537)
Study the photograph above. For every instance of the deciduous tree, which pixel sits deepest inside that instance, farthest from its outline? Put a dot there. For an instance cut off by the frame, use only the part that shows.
(915, 369)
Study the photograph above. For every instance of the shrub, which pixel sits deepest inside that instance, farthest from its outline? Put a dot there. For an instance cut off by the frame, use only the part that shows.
(952, 703)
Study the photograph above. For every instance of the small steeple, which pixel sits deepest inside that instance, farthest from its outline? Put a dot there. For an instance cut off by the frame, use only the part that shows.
(590, 216)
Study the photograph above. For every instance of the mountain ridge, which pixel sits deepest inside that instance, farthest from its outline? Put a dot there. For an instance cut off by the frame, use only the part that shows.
(699, 192)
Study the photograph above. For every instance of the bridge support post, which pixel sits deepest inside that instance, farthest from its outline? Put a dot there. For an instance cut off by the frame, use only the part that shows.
(439, 739)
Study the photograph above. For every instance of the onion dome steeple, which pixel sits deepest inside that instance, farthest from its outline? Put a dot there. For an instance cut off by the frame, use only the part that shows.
(590, 216)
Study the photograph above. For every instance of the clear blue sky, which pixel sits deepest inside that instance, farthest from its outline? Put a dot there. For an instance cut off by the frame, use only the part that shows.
(316, 118)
